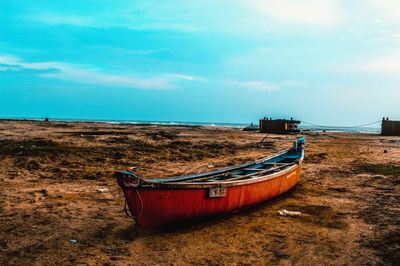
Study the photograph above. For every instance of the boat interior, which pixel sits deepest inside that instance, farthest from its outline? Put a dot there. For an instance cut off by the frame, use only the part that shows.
(246, 171)
(250, 170)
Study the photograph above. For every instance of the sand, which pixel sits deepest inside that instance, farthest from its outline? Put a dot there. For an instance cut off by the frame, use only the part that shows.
(59, 202)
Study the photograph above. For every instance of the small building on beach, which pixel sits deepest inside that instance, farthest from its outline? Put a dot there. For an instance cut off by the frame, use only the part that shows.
(390, 127)
(279, 126)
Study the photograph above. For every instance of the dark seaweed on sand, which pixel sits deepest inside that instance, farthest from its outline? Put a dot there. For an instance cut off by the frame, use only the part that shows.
(28, 147)
(380, 169)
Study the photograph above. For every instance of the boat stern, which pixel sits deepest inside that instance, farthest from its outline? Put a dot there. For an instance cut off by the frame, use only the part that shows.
(298, 145)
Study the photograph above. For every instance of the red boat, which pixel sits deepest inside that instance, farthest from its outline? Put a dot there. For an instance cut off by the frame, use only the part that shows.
(156, 202)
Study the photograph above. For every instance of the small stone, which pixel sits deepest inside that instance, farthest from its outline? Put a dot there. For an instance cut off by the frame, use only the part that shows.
(43, 192)
(33, 165)
(118, 155)
(280, 254)
(90, 177)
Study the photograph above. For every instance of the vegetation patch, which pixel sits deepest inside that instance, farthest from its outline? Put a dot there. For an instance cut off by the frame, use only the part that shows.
(380, 169)
(386, 246)
(29, 147)
(161, 134)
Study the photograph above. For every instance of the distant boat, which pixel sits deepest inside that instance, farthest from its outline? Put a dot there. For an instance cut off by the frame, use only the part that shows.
(251, 127)
(156, 202)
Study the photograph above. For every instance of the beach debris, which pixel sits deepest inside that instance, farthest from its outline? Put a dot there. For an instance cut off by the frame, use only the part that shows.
(90, 176)
(43, 192)
(118, 155)
(384, 151)
(379, 177)
(102, 190)
(265, 144)
(132, 168)
(338, 189)
(280, 254)
(73, 241)
(210, 166)
(33, 165)
(114, 251)
(288, 213)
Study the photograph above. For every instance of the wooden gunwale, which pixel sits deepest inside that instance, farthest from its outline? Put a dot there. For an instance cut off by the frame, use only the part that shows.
(237, 176)
(148, 183)
(215, 172)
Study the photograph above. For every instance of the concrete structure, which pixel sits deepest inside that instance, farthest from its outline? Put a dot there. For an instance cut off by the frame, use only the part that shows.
(390, 127)
(279, 126)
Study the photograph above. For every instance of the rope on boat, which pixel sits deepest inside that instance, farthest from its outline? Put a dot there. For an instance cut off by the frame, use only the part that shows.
(126, 210)
(141, 203)
(141, 207)
(357, 126)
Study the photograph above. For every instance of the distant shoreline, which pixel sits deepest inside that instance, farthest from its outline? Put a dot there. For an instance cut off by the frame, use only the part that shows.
(127, 122)
(371, 130)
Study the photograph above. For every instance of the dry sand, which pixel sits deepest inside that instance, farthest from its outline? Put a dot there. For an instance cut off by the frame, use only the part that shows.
(59, 203)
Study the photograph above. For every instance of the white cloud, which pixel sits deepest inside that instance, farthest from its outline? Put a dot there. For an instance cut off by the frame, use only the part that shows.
(312, 12)
(73, 20)
(140, 52)
(92, 75)
(108, 21)
(185, 77)
(389, 9)
(252, 85)
(238, 16)
(8, 60)
(260, 86)
(8, 68)
(386, 64)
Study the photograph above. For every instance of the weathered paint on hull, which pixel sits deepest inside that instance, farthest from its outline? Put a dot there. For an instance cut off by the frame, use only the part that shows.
(156, 207)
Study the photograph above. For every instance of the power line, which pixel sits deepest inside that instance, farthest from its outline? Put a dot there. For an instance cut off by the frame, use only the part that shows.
(321, 126)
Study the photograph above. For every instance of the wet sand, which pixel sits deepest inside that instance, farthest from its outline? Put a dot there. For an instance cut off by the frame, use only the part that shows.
(59, 202)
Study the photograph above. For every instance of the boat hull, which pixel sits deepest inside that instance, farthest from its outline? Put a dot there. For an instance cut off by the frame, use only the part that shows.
(155, 207)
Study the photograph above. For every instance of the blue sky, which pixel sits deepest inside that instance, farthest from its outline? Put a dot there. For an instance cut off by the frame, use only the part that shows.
(327, 62)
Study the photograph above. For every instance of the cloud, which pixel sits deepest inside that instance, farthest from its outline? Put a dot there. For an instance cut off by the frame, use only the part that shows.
(60, 19)
(386, 64)
(92, 75)
(9, 68)
(389, 9)
(9, 60)
(185, 77)
(252, 85)
(140, 52)
(310, 12)
(238, 16)
(110, 20)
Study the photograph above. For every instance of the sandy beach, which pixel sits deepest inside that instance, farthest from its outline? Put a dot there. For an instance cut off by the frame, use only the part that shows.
(60, 205)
